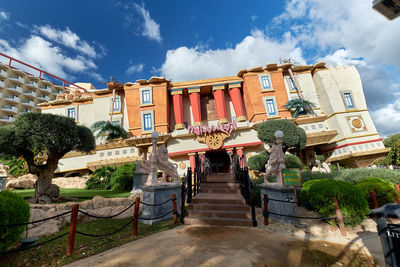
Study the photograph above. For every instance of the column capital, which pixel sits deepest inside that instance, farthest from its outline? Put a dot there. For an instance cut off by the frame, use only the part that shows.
(192, 154)
(229, 149)
(201, 153)
(176, 91)
(239, 147)
(218, 87)
(193, 89)
(234, 85)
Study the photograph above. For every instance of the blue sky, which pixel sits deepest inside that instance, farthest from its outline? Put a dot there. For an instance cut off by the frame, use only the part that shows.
(88, 41)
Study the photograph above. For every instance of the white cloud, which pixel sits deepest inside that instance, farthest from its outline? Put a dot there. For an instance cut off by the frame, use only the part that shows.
(151, 29)
(4, 15)
(186, 63)
(134, 68)
(43, 54)
(67, 38)
(253, 18)
(391, 113)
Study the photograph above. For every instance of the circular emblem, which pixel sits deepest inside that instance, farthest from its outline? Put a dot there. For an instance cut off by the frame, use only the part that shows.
(182, 165)
(214, 141)
(357, 123)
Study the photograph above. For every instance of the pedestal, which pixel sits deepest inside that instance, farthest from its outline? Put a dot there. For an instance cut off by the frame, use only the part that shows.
(2, 182)
(279, 193)
(158, 194)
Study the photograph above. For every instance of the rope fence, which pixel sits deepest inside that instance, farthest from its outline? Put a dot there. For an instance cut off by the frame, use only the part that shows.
(37, 221)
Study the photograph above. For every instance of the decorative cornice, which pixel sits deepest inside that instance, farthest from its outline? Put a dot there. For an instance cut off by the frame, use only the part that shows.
(346, 111)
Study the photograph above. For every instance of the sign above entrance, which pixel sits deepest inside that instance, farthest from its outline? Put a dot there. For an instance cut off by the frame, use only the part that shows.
(291, 177)
(225, 128)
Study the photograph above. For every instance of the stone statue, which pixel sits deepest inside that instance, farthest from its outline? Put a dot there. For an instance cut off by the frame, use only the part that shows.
(159, 161)
(4, 170)
(277, 159)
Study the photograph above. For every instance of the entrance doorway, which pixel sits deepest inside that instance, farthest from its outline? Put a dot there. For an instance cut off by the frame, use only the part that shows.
(220, 161)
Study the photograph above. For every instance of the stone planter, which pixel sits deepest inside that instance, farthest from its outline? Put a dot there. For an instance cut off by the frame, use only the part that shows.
(158, 194)
(279, 193)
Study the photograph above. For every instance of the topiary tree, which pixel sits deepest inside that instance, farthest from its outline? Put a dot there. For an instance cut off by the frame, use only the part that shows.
(293, 136)
(293, 161)
(385, 190)
(13, 210)
(42, 139)
(257, 162)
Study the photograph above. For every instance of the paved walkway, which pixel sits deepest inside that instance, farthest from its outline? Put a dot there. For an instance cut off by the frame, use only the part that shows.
(234, 246)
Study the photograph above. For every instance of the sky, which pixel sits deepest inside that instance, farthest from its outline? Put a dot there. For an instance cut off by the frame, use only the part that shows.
(91, 40)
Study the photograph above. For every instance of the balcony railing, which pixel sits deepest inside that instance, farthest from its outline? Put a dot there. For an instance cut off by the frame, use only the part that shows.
(29, 103)
(3, 73)
(7, 118)
(14, 88)
(12, 99)
(16, 78)
(45, 89)
(32, 84)
(11, 109)
(43, 98)
(30, 93)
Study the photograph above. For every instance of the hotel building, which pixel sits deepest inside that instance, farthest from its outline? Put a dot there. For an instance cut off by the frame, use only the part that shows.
(218, 117)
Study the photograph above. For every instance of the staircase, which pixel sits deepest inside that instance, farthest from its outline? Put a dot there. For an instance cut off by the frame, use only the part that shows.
(219, 202)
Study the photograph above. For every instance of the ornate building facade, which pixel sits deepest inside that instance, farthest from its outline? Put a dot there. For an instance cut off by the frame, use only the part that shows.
(217, 118)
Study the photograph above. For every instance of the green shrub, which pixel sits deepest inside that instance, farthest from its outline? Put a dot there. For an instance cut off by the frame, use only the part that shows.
(13, 210)
(17, 166)
(293, 161)
(355, 175)
(352, 201)
(257, 191)
(101, 178)
(309, 175)
(257, 162)
(304, 191)
(122, 178)
(381, 187)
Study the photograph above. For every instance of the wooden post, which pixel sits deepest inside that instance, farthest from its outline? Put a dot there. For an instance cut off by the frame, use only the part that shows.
(339, 216)
(266, 209)
(174, 208)
(295, 195)
(135, 217)
(72, 228)
(373, 199)
(396, 196)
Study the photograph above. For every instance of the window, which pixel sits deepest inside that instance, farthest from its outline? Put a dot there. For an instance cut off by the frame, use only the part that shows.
(292, 87)
(348, 99)
(132, 150)
(124, 151)
(116, 153)
(270, 106)
(109, 153)
(71, 113)
(146, 95)
(147, 122)
(117, 103)
(265, 82)
(102, 154)
(116, 122)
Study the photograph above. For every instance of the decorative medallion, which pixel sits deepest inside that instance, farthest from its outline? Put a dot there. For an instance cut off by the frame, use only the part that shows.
(182, 165)
(357, 123)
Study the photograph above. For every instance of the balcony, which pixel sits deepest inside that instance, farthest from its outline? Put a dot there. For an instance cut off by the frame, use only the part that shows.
(14, 89)
(43, 98)
(3, 74)
(57, 92)
(2, 84)
(8, 119)
(1, 94)
(16, 78)
(29, 103)
(12, 99)
(30, 93)
(25, 111)
(31, 84)
(10, 108)
(45, 89)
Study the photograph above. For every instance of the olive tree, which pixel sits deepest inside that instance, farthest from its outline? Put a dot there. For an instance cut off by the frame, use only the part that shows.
(43, 139)
(293, 136)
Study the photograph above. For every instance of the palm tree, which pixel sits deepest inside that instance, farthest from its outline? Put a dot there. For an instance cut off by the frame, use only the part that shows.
(109, 130)
(300, 106)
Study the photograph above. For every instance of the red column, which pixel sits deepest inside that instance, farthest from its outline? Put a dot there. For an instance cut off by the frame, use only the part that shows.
(192, 160)
(239, 152)
(178, 109)
(194, 96)
(236, 97)
(202, 156)
(219, 96)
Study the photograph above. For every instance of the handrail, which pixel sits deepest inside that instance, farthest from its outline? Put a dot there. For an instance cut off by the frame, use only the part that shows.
(40, 72)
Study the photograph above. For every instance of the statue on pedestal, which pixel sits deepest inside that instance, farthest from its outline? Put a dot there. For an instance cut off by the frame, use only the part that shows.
(277, 159)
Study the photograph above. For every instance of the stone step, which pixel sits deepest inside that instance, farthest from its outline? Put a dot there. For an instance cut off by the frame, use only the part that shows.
(211, 206)
(220, 179)
(219, 190)
(219, 214)
(223, 185)
(218, 221)
(219, 198)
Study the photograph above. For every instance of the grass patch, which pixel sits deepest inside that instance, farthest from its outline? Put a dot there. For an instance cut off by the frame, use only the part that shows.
(77, 193)
(53, 253)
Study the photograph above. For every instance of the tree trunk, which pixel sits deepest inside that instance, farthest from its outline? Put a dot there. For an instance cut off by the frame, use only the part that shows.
(45, 191)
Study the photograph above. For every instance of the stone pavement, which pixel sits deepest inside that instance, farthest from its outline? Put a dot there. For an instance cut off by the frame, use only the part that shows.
(192, 245)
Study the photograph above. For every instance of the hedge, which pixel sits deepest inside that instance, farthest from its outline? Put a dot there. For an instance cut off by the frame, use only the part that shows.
(101, 178)
(13, 210)
(352, 201)
(385, 191)
(122, 178)
(293, 161)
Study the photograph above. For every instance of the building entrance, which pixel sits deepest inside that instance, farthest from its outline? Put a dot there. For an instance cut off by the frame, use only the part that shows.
(220, 161)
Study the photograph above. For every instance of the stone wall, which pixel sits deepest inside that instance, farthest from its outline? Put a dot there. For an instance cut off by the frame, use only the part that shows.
(27, 181)
(99, 206)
